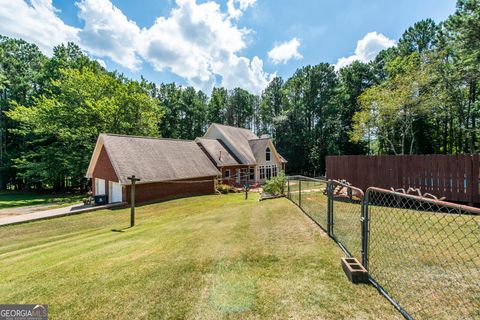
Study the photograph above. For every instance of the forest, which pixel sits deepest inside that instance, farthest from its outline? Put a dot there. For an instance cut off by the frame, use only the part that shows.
(419, 97)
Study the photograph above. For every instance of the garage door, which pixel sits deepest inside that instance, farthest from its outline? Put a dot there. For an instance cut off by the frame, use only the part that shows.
(115, 192)
(99, 186)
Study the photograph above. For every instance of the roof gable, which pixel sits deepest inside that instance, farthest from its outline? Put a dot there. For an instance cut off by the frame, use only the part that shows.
(235, 138)
(218, 152)
(259, 146)
(153, 159)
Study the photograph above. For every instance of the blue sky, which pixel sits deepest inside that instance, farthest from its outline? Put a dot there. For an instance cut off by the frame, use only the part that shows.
(205, 43)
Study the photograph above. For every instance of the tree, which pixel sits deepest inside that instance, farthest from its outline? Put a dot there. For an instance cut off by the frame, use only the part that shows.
(354, 80)
(272, 106)
(389, 110)
(217, 106)
(240, 108)
(419, 38)
(62, 125)
(21, 67)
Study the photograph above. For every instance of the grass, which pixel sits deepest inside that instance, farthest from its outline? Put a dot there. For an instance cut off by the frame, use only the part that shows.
(428, 261)
(198, 258)
(11, 199)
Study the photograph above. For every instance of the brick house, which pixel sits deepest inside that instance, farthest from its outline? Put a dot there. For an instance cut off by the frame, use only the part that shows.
(168, 168)
(240, 155)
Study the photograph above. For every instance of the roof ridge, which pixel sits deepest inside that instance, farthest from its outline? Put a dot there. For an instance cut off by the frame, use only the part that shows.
(144, 137)
(226, 125)
(259, 139)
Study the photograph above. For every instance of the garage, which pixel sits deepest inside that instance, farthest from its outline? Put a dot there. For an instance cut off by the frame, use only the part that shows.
(115, 192)
(167, 168)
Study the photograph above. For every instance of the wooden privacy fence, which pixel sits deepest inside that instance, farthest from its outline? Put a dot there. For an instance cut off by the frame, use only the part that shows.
(455, 177)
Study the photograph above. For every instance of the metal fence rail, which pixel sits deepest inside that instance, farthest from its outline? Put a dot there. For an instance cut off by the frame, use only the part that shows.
(422, 254)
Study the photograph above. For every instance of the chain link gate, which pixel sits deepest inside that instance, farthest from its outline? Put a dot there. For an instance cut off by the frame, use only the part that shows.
(425, 254)
(422, 254)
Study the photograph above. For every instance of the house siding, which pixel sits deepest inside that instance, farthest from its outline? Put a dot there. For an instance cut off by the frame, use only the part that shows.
(104, 170)
(274, 160)
(157, 191)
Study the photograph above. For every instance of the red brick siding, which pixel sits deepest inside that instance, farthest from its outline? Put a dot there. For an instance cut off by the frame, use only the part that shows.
(164, 190)
(103, 170)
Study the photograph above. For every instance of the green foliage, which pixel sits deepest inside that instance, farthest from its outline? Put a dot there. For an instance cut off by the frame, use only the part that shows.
(276, 185)
(224, 188)
(420, 96)
(63, 123)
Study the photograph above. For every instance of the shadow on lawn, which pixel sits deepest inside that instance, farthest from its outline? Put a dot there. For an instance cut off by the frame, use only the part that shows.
(121, 230)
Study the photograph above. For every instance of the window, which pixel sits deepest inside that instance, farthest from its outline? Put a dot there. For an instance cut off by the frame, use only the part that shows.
(244, 174)
(269, 172)
(268, 154)
(226, 174)
(262, 172)
(274, 171)
(252, 173)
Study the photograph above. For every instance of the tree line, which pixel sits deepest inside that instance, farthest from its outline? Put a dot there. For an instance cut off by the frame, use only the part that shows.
(420, 96)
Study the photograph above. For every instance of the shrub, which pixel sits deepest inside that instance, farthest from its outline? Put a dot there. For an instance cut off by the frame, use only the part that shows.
(276, 185)
(224, 188)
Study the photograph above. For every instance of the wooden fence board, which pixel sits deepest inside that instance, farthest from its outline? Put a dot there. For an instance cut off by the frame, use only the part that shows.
(455, 177)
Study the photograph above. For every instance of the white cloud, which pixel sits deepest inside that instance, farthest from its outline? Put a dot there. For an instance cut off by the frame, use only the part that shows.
(199, 42)
(367, 49)
(109, 33)
(243, 5)
(35, 22)
(285, 51)
(102, 63)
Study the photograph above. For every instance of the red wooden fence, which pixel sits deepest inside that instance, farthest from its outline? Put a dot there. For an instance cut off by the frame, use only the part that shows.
(453, 177)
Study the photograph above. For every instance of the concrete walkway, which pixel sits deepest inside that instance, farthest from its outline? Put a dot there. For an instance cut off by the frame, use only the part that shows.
(53, 213)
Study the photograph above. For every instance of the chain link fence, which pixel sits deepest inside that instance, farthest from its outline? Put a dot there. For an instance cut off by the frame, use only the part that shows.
(425, 253)
(310, 195)
(346, 215)
(422, 254)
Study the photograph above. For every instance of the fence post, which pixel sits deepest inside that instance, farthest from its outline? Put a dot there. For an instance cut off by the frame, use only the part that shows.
(288, 188)
(300, 192)
(365, 231)
(329, 208)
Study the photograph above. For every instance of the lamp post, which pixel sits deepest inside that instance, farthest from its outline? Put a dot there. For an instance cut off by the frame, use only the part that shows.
(132, 199)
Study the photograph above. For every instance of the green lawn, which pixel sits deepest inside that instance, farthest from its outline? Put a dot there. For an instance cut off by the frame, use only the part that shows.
(197, 258)
(428, 261)
(10, 199)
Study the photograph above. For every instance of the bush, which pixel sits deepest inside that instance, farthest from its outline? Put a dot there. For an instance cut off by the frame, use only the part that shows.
(276, 185)
(224, 188)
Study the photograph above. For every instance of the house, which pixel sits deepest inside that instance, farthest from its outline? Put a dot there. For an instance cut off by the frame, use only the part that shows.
(240, 155)
(166, 168)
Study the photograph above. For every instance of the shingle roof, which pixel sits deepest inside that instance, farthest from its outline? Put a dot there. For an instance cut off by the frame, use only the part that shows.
(219, 152)
(156, 160)
(259, 146)
(238, 137)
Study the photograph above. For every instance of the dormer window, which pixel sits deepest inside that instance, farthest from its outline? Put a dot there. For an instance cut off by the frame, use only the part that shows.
(268, 154)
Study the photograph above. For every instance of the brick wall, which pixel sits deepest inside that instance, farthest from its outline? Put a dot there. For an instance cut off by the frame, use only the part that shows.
(149, 192)
(103, 170)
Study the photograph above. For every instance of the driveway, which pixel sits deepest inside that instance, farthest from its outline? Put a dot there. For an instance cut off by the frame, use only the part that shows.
(25, 214)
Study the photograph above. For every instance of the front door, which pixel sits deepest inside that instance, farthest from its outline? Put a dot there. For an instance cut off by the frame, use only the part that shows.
(115, 192)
